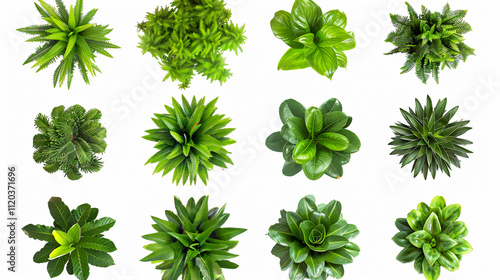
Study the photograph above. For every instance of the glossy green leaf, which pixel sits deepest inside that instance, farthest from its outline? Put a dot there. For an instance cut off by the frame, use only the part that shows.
(334, 141)
(409, 254)
(281, 25)
(39, 232)
(75, 233)
(62, 238)
(334, 121)
(353, 249)
(56, 267)
(291, 108)
(306, 17)
(60, 251)
(340, 256)
(293, 219)
(444, 242)
(335, 169)
(432, 225)
(299, 251)
(60, 212)
(463, 247)
(335, 17)
(331, 105)
(313, 121)
(298, 128)
(80, 263)
(449, 261)
(307, 40)
(315, 265)
(293, 59)
(291, 168)
(334, 270)
(416, 220)
(315, 168)
(419, 238)
(400, 239)
(431, 254)
(354, 142)
(281, 234)
(297, 271)
(304, 151)
(323, 61)
(438, 202)
(451, 212)
(275, 142)
(431, 272)
(333, 211)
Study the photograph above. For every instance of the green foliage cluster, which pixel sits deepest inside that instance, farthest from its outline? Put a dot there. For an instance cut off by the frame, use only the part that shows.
(315, 39)
(313, 242)
(191, 139)
(68, 35)
(192, 243)
(70, 141)
(191, 36)
(431, 41)
(433, 238)
(429, 139)
(315, 140)
(75, 240)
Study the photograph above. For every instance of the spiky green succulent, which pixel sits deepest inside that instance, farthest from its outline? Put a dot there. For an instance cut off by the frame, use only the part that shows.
(71, 141)
(431, 41)
(314, 242)
(191, 139)
(433, 238)
(191, 37)
(192, 243)
(429, 139)
(68, 36)
(315, 140)
(75, 241)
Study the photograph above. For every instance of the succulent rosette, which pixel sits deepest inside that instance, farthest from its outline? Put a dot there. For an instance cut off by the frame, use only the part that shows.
(433, 238)
(314, 241)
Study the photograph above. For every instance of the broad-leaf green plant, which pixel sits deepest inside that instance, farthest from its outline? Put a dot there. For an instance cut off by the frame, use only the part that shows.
(314, 241)
(192, 243)
(315, 39)
(433, 238)
(190, 138)
(70, 140)
(74, 241)
(429, 139)
(190, 37)
(69, 36)
(431, 41)
(315, 140)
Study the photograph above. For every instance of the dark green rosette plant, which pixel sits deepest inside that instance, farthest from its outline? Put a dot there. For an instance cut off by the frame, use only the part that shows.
(431, 41)
(70, 141)
(192, 243)
(315, 39)
(432, 238)
(74, 241)
(69, 35)
(315, 140)
(429, 139)
(314, 242)
(191, 140)
(190, 37)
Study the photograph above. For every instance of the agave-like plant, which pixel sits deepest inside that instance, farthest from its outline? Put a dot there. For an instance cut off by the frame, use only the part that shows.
(70, 142)
(314, 242)
(74, 241)
(68, 35)
(432, 41)
(192, 243)
(433, 238)
(429, 139)
(315, 140)
(191, 140)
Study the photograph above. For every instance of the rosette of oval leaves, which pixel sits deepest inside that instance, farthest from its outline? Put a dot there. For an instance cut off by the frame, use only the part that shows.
(192, 243)
(315, 140)
(315, 39)
(433, 238)
(70, 141)
(314, 242)
(74, 241)
(190, 37)
(429, 139)
(431, 41)
(68, 35)
(191, 139)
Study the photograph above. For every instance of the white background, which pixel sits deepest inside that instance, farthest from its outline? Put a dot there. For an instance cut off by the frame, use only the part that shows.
(374, 190)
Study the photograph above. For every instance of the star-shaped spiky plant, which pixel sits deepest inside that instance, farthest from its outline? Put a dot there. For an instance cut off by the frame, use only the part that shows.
(192, 244)
(431, 41)
(68, 35)
(429, 139)
(191, 140)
